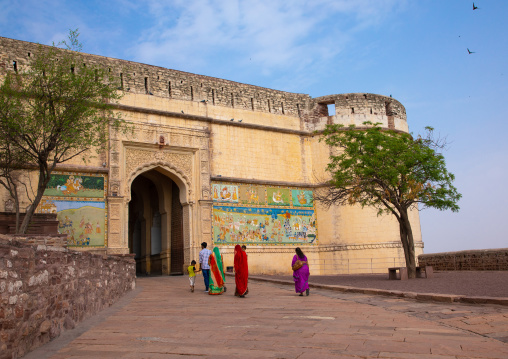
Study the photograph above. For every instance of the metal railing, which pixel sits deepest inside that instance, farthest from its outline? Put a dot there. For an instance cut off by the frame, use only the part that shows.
(355, 265)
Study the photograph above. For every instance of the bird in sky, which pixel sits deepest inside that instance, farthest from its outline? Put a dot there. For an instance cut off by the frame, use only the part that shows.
(475, 7)
(470, 52)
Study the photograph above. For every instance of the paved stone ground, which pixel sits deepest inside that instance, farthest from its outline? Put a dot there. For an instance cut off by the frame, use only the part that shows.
(470, 283)
(163, 319)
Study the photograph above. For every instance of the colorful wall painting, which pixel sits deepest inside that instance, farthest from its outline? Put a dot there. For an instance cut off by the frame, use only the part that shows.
(252, 194)
(254, 225)
(278, 196)
(79, 200)
(302, 198)
(82, 221)
(75, 185)
(263, 215)
(225, 193)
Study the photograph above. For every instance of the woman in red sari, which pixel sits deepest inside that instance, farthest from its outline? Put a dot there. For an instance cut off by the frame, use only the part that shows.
(241, 272)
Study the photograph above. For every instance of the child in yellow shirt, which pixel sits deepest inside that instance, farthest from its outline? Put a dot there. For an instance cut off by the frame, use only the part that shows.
(192, 274)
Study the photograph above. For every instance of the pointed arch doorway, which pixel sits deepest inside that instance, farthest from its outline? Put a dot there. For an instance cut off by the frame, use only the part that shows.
(156, 231)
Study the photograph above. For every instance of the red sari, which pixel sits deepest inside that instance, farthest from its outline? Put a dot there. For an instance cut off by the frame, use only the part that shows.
(241, 272)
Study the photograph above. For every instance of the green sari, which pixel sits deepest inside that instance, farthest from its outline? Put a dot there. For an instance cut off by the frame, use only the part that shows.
(217, 279)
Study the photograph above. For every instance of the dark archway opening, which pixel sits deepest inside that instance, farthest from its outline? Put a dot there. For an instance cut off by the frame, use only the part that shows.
(156, 225)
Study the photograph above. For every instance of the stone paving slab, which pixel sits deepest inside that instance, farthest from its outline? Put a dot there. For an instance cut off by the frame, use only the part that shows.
(163, 319)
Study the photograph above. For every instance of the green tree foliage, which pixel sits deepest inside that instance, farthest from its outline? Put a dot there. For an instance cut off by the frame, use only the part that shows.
(390, 171)
(55, 109)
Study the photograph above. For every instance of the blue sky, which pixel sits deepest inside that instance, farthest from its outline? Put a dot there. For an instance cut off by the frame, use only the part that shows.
(414, 50)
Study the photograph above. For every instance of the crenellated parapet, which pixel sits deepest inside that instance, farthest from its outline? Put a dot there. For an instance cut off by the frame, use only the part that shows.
(137, 78)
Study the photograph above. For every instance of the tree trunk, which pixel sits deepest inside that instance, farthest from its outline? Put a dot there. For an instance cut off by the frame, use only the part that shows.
(44, 177)
(406, 237)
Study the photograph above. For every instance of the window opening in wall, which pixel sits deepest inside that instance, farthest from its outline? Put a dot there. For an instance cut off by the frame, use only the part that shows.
(252, 103)
(146, 84)
(232, 100)
(134, 74)
(282, 107)
(169, 88)
(121, 80)
(15, 66)
(371, 110)
(269, 108)
(191, 93)
(109, 69)
(213, 96)
(181, 81)
(222, 88)
(298, 109)
(201, 84)
(157, 77)
(331, 109)
(84, 65)
(72, 69)
(29, 54)
(352, 110)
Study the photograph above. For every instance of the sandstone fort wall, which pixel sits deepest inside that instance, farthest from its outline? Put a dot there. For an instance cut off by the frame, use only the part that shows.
(484, 259)
(201, 131)
(45, 290)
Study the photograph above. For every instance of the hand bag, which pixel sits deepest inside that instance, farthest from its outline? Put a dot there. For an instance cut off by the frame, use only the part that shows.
(297, 265)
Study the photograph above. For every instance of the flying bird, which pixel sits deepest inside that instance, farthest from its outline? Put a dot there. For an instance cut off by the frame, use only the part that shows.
(475, 7)
(470, 52)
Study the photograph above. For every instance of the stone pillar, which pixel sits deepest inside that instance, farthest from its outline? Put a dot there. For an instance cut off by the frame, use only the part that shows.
(118, 221)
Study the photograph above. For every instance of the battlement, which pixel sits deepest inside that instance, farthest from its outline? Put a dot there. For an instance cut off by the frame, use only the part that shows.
(158, 81)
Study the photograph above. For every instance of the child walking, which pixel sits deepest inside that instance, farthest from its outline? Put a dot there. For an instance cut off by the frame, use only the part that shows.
(192, 274)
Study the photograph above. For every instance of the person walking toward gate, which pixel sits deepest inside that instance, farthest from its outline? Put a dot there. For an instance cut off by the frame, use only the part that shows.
(203, 264)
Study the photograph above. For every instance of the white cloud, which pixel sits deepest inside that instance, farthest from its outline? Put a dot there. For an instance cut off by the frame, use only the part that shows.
(265, 36)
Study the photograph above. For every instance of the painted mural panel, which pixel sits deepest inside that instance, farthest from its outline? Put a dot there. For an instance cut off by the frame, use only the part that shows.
(302, 198)
(79, 200)
(75, 185)
(225, 193)
(82, 221)
(255, 225)
(250, 194)
(278, 196)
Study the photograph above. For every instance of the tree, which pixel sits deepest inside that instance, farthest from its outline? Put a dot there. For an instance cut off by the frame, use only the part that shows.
(56, 109)
(390, 171)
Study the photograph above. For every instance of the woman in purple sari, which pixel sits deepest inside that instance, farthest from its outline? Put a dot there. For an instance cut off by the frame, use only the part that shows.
(301, 275)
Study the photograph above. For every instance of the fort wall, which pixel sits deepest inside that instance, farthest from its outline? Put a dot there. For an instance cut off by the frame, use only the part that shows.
(203, 132)
(481, 259)
(46, 290)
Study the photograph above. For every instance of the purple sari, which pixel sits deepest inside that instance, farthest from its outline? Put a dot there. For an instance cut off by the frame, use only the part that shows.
(301, 276)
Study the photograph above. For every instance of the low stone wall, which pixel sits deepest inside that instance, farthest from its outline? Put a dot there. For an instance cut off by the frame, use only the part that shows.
(484, 259)
(45, 290)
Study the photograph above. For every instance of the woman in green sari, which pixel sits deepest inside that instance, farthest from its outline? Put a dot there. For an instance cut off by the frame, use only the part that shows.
(217, 279)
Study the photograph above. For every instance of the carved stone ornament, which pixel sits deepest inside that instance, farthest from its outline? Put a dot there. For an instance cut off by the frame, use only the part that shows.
(139, 160)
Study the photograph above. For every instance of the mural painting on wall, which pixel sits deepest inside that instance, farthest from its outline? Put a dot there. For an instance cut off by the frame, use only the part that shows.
(277, 196)
(302, 198)
(225, 193)
(80, 204)
(265, 215)
(252, 194)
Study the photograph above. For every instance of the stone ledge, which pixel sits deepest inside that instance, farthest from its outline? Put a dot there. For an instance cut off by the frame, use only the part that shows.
(424, 297)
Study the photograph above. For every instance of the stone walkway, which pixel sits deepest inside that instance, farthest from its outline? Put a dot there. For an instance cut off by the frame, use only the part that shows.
(163, 319)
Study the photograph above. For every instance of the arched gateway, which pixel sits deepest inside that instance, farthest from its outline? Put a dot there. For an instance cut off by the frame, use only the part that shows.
(156, 232)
